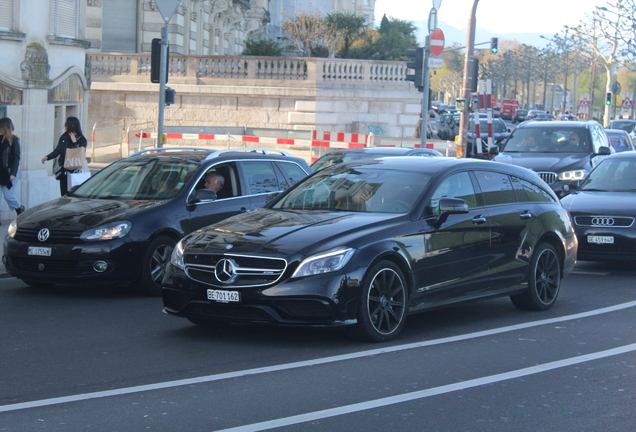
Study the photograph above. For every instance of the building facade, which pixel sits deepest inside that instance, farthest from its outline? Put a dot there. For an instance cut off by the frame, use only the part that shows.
(42, 82)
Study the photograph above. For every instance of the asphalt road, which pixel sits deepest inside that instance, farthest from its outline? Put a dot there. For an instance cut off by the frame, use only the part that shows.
(99, 359)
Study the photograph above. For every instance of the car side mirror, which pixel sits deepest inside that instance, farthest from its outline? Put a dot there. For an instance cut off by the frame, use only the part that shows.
(449, 206)
(572, 186)
(604, 151)
(203, 195)
(494, 150)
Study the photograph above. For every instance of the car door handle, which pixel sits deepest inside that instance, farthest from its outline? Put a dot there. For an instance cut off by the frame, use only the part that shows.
(479, 219)
(525, 215)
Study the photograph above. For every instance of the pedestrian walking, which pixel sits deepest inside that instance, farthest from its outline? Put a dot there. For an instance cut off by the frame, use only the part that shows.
(10, 166)
(71, 138)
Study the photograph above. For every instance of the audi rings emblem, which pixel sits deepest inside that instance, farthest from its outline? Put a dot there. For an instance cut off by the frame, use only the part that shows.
(603, 221)
(225, 271)
(43, 234)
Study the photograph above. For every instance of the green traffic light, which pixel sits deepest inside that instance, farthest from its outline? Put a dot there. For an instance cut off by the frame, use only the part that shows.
(608, 102)
(494, 50)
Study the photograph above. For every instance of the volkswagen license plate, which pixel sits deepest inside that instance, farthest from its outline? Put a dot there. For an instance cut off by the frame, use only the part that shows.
(600, 239)
(224, 296)
(39, 251)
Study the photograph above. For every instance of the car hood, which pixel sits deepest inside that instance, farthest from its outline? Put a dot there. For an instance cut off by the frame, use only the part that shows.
(552, 162)
(78, 214)
(601, 203)
(284, 232)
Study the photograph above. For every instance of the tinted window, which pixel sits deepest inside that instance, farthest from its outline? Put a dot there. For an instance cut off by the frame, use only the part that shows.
(261, 177)
(618, 142)
(551, 140)
(292, 173)
(455, 186)
(529, 192)
(495, 187)
(600, 138)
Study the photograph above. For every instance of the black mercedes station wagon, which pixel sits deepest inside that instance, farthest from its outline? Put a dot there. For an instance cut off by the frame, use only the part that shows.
(122, 224)
(365, 243)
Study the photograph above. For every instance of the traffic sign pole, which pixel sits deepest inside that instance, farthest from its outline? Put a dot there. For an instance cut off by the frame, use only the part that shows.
(426, 82)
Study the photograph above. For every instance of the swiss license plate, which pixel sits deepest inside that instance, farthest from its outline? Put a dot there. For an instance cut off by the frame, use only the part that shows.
(224, 296)
(600, 239)
(39, 251)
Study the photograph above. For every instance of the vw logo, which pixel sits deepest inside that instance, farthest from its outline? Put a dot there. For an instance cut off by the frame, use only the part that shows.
(43, 234)
(602, 221)
(225, 271)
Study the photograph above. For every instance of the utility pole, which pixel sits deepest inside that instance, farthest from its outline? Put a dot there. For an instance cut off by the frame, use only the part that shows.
(468, 74)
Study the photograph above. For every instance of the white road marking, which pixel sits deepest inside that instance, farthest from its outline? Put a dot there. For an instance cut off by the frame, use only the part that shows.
(348, 409)
(314, 362)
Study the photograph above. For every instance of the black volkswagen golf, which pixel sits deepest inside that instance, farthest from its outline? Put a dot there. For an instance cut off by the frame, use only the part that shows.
(365, 243)
(121, 225)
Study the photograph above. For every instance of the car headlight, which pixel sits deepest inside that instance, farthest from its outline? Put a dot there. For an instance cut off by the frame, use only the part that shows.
(107, 232)
(177, 256)
(573, 175)
(325, 262)
(13, 228)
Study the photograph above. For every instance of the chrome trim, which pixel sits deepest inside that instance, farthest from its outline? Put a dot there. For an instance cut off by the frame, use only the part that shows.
(603, 221)
(237, 270)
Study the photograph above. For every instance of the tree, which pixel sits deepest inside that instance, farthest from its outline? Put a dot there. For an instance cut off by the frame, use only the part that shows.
(348, 26)
(389, 42)
(310, 34)
(263, 47)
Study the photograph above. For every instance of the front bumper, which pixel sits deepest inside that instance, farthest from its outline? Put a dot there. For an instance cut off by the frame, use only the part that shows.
(327, 300)
(622, 249)
(108, 261)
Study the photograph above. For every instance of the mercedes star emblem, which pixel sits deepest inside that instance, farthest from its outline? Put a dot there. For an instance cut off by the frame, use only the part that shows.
(225, 271)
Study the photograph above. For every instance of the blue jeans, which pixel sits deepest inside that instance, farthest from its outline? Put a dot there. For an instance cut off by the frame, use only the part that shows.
(9, 196)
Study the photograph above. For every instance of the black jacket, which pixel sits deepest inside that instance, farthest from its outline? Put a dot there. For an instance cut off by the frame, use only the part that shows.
(64, 143)
(10, 155)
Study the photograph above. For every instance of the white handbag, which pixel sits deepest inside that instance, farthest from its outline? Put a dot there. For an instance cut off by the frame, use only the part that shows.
(75, 179)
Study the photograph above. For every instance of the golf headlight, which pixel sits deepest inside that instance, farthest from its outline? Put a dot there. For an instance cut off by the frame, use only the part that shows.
(325, 262)
(13, 228)
(573, 175)
(107, 232)
(177, 256)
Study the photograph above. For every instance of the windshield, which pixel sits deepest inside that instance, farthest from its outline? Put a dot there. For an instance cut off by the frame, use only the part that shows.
(549, 140)
(144, 179)
(360, 189)
(612, 175)
(338, 157)
(624, 125)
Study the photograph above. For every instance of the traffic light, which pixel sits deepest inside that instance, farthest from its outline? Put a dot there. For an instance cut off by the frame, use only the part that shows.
(608, 98)
(417, 65)
(475, 74)
(494, 42)
(155, 61)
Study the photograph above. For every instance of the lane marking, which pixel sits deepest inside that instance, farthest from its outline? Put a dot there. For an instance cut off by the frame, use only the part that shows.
(305, 363)
(392, 400)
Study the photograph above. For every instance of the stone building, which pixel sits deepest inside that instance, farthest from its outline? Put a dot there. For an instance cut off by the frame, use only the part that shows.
(42, 82)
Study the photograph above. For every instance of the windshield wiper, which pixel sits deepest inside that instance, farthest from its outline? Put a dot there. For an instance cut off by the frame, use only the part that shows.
(594, 190)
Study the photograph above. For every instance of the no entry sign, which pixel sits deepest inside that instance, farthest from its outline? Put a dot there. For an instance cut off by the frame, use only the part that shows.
(437, 42)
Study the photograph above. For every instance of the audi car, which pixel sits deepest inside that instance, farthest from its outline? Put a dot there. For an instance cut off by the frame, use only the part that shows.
(363, 244)
(604, 209)
(121, 225)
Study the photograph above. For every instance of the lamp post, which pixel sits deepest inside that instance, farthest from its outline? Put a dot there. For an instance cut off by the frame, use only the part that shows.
(468, 74)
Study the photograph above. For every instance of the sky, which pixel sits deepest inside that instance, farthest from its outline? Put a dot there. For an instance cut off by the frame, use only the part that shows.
(497, 16)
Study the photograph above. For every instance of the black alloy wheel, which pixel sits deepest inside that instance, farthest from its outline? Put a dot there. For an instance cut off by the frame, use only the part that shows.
(544, 280)
(382, 306)
(154, 263)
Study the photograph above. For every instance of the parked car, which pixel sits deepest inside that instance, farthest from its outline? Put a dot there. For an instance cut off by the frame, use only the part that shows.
(603, 208)
(520, 115)
(620, 140)
(354, 154)
(364, 244)
(566, 150)
(121, 225)
(500, 133)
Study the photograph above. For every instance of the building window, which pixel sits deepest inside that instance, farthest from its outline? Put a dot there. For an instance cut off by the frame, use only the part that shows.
(6, 15)
(64, 18)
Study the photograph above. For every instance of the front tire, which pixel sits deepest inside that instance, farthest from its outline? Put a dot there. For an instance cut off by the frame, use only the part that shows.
(382, 304)
(153, 266)
(544, 281)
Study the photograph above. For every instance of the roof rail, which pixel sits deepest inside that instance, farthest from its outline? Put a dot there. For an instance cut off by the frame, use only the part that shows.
(167, 149)
(252, 150)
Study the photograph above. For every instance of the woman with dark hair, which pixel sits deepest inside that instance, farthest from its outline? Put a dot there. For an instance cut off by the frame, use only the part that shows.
(72, 138)
(10, 155)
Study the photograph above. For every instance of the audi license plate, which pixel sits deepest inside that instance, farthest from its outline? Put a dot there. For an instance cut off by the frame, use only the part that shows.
(39, 251)
(224, 296)
(600, 239)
